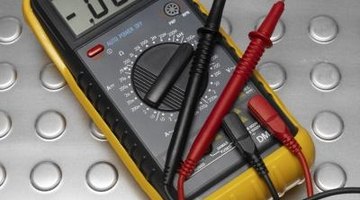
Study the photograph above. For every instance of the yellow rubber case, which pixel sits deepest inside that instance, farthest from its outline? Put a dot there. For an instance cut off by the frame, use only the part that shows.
(284, 168)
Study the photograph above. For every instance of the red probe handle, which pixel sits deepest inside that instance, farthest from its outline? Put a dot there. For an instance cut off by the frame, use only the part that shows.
(259, 41)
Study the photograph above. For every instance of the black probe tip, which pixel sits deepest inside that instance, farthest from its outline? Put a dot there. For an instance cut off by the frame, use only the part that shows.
(213, 21)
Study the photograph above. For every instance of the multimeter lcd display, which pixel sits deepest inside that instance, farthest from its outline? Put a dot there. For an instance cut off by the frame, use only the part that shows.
(81, 15)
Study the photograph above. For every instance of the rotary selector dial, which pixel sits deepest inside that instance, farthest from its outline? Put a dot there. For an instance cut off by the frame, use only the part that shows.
(140, 71)
(161, 73)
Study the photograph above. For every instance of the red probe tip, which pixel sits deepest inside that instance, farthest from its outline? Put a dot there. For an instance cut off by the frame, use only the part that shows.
(268, 26)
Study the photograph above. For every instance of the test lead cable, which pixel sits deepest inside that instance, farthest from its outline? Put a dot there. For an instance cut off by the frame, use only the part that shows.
(335, 192)
(260, 40)
(269, 118)
(240, 137)
(208, 37)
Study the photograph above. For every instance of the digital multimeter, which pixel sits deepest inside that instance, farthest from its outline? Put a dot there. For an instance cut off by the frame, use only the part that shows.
(112, 51)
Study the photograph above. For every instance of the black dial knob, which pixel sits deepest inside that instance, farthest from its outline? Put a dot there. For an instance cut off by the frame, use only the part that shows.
(160, 75)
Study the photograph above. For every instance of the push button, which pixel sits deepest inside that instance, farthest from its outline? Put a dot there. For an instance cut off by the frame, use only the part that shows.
(96, 50)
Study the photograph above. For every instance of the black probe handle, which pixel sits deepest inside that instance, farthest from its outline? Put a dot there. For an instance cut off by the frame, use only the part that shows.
(208, 36)
(169, 75)
(198, 73)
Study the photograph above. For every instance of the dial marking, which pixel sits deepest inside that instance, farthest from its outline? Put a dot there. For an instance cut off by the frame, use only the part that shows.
(182, 39)
(157, 116)
(205, 101)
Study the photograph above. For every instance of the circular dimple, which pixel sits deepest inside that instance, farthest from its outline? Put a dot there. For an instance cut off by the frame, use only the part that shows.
(50, 125)
(226, 25)
(274, 74)
(10, 29)
(102, 176)
(2, 175)
(328, 125)
(45, 176)
(5, 124)
(7, 76)
(51, 79)
(96, 132)
(325, 76)
(330, 176)
(323, 29)
(279, 31)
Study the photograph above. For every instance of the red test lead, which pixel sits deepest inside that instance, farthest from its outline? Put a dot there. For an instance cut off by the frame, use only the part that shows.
(270, 119)
(260, 40)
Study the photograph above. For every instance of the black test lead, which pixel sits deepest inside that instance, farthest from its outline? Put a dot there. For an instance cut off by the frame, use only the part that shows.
(208, 36)
(335, 192)
(240, 137)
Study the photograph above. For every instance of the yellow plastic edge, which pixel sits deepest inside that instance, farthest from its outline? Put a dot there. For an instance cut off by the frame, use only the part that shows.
(283, 167)
(55, 57)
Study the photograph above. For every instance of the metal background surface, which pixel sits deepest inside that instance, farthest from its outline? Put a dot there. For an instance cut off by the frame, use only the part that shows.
(49, 149)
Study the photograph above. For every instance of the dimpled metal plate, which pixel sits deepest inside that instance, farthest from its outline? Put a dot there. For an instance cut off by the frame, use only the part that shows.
(49, 148)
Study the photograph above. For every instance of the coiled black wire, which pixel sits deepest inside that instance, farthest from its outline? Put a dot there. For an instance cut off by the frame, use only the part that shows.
(330, 193)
